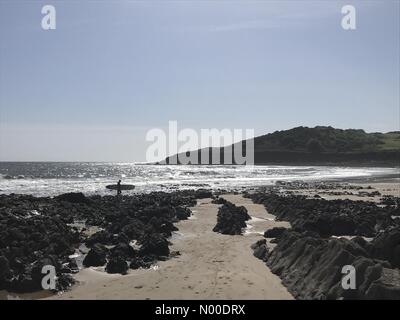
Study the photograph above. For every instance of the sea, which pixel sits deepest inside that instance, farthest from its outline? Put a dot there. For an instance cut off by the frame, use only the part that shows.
(53, 178)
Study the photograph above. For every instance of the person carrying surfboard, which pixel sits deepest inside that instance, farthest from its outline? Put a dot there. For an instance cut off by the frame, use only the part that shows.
(119, 187)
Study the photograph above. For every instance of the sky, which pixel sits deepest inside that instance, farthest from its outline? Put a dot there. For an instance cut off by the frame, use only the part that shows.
(92, 88)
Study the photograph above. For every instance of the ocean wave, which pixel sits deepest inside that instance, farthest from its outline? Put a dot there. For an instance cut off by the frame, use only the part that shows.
(55, 178)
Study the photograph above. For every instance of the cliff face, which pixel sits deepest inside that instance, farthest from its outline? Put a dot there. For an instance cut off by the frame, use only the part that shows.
(319, 145)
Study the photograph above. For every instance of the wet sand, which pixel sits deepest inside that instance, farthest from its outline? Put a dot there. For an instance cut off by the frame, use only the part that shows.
(211, 265)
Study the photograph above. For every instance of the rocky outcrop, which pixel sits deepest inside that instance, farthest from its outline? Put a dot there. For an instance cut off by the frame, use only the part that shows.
(96, 257)
(310, 261)
(260, 249)
(231, 219)
(155, 245)
(327, 218)
(219, 200)
(275, 232)
(311, 267)
(117, 265)
(386, 246)
(26, 240)
(73, 197)
(35, 229)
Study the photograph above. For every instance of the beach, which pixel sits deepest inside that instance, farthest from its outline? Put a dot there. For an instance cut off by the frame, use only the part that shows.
(211, 265)
(201, 263)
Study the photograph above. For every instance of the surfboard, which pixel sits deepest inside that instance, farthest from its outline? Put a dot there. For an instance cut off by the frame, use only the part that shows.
(123, 187)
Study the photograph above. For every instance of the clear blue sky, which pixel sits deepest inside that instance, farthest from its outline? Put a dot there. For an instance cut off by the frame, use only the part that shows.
(91, 89)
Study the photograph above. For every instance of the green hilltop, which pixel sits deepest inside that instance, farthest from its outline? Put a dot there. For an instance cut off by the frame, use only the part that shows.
(327, 139)
(319, 146)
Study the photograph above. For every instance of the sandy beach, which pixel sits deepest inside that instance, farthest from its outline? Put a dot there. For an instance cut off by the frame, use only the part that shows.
(211, 265)
(204, 264)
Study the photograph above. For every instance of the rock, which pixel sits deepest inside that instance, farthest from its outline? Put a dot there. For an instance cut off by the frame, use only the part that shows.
(64, 282)
(123, 250)
(4, 267)
(34, 228)
(174, 254)
(219, 200)
(117, 265)
(231, 219)
(37, 267)
(73, 266)
(275, 232)
(24, 283)
(30, 279)
(73, 197)
(96, 256)
(260, 249)
(5, 271)
(327, 217)
(134, 230)
(138, 262)
(203, 193)
(386, 245)
(386, 286)
(154, 244)
(182, 213)
(103, 237)
(162, 226)
(390, 201)
(311, 268)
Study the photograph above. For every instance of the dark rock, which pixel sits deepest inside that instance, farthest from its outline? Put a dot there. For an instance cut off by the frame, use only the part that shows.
(275, 232)
(24, 283)
(154, 244)
(73, 266)
(203, 193)
(386, 245)
(5, 271)
(134, 230)
(96, 256)
(123, 250)
(311, 268)
(117, 265)
(74, 197)
(35, 228)
(64, 282)
(231, 219)
(138, 262)
(260, 249)
(219, 200)
(182, 213)
(103, 237)
(386, 286)
(327, 217)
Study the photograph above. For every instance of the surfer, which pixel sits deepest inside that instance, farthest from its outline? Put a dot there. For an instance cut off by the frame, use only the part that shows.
(119, 187)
